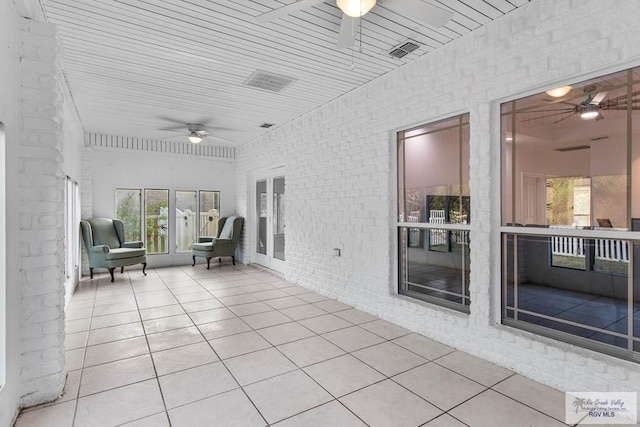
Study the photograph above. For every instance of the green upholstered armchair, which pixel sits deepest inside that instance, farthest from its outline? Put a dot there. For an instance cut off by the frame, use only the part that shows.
(224, 244)
(104, 240)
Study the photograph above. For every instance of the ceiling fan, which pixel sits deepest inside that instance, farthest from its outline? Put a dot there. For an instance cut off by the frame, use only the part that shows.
(195, 132)
(354, 9)
(591, 108)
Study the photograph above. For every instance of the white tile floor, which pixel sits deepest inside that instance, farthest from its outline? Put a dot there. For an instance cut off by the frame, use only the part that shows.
(238, 346)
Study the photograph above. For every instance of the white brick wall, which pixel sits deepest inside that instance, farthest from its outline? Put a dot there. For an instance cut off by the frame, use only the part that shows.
(341, 186)
(41, 207)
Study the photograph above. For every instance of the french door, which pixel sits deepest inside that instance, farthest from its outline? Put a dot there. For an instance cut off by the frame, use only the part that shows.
(269, 224)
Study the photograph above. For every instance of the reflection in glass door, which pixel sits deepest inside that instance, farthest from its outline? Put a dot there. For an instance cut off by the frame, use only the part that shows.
(261, 215)
(270, 222)
(278, 218)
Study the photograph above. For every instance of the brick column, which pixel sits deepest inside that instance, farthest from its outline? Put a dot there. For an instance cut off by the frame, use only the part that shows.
(41, 212)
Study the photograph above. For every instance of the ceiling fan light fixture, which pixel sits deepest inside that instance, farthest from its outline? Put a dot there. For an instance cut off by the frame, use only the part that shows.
(590, 112)
(559, 91)
(195, 138)
(355, 8)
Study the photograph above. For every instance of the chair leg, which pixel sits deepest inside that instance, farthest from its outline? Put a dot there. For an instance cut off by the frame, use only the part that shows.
(208, 262)
(122, 270)
(144, 267)
(111, 273)
(91, 272)
(233, 259)
(194, 261)
(220, 259)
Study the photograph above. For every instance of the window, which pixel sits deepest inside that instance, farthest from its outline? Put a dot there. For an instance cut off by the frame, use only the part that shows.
(209, 213)
(196, 214)
(186, 220)
(570, 213)
(278, 218)
(156, 220)
(261, 214)
(434, 212)
(128, 208)
(191, 223)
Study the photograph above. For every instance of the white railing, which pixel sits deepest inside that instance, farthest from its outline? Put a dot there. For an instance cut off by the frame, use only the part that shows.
(436, 216)
(414, 233)
(606, 249)
(439, 237)
(612, 250)
(567, 246)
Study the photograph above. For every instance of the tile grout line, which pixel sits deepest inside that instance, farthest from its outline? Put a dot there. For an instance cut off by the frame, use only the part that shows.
(153, 362)
(77, 397)
(522, 403)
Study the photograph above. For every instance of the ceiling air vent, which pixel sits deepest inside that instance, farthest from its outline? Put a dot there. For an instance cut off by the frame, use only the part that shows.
(404, 49)
(267, 125)
(268, 81)
(576, 148)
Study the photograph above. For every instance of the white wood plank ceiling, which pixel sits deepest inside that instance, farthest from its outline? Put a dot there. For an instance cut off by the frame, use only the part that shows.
(137, 66)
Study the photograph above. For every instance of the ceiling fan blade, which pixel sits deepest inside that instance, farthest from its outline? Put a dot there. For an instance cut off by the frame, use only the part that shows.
(348, 31)
(171, 120)
(420, 11)
(622, 99)
(174, 128)
(564, 118)
(176, 136)
(545, 116)
(599, 98)
(209, 129)
(222, 140)
(621, 108)
(285, 10)
(558, 110)
(568, 103)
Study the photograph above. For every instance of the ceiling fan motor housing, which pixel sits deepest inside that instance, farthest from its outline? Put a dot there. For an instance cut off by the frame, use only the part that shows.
(195, 128)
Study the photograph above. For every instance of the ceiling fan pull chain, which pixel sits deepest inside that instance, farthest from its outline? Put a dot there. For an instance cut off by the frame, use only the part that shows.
(353, 64)
(361, 25)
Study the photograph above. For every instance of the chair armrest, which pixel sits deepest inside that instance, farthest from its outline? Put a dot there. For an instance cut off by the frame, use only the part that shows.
(133, 244)
(205, 239)
(218, 241)
(99, 249)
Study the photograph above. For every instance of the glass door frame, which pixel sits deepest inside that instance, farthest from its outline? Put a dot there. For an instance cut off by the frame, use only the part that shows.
(266, 260)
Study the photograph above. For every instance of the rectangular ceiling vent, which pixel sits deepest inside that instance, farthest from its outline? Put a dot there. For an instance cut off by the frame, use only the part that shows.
(268, 81)
(576, 148)
(404, 49)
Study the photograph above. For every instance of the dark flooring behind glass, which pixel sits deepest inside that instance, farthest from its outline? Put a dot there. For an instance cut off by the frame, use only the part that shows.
(610, 314)
(432, 280)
